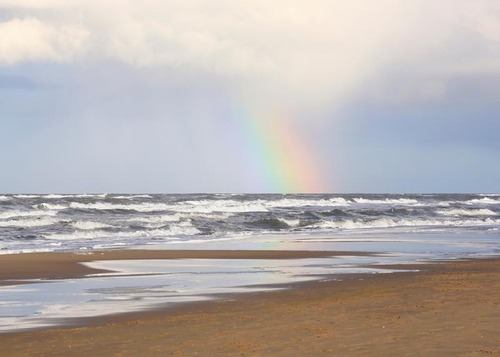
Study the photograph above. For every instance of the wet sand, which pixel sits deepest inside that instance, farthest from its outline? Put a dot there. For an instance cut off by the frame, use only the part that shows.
(451, 308)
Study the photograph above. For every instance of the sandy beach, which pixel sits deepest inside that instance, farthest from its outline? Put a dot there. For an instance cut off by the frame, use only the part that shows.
(451, 308)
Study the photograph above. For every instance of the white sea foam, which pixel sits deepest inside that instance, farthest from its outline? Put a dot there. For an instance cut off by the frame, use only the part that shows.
(22, 251)
(398, 201)
(290, 222)
(103, 206)
(209, 206)
(37, 222)
(82, 195)
(485, 200)
(19, 213)
(89, 225)
(294, 202)
(131, 197)
(433, 204)
(443, 204)
(260, 205)
(393, 222)
(59, 196)
(50, 206)
(87, 195)
(183, 228)
(467, 212)
(4, 198)
(205, 206)
(53, 196)
(161, 219)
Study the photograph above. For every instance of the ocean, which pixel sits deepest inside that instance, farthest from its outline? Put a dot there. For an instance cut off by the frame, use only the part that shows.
(80, 222)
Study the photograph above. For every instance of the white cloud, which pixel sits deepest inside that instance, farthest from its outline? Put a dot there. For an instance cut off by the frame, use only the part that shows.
(301, 49)
(36, 4)
(29, 39)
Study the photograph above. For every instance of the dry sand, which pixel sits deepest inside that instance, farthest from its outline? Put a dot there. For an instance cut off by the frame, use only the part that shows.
(446, 309)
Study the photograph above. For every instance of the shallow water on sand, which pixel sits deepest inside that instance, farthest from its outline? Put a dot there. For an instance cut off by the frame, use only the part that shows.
(134, 285)
(143, 284)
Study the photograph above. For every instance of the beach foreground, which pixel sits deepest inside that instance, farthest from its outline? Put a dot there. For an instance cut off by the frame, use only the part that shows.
(451, 308)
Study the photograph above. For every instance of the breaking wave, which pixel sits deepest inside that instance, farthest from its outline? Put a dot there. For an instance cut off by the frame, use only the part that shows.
(391, 223)
(89, 225)
(24, 223)
(484, 200)
(174, 230)
(467, 212)
(18, 213)
(386, 201)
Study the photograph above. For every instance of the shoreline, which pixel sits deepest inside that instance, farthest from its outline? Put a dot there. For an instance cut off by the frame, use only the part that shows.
(451, 307)
(61, 265)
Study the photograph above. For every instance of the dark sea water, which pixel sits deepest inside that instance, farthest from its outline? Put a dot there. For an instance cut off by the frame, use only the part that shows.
(84, 222)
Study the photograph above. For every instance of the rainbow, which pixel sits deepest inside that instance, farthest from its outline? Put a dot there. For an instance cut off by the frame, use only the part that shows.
(280, 155)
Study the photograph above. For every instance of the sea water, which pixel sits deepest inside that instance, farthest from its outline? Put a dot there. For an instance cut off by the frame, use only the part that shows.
(30, 223)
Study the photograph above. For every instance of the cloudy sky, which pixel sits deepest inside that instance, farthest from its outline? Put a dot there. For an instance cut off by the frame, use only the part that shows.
(249, 96)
